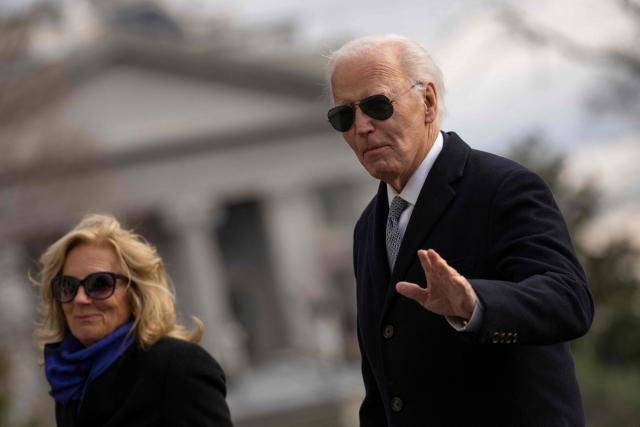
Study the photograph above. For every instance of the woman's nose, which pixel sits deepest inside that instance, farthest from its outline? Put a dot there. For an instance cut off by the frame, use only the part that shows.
(81, 296)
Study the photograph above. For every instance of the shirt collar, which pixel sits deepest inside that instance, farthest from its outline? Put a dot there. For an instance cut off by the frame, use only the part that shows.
(412, 189)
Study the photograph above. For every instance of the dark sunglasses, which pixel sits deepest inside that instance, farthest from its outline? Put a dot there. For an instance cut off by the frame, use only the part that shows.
(377, 107)
(97, 286)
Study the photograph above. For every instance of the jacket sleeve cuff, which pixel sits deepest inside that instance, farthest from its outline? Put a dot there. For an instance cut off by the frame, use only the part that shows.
(473, 324)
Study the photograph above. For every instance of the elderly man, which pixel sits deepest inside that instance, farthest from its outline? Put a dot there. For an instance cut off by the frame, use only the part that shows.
(468, 287)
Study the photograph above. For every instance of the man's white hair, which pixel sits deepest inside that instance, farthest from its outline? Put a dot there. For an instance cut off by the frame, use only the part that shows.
(415, 61)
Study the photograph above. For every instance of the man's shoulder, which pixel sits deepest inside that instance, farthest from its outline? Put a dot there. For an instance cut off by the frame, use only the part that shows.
(460, 159)
(495, 163)
(485, 171)
(490, 164)
(482, 157)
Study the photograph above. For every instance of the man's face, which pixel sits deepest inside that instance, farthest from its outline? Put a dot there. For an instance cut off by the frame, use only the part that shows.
(392, 149)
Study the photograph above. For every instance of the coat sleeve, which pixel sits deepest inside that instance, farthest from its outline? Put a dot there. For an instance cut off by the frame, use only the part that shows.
(539, 294)
(196, 390)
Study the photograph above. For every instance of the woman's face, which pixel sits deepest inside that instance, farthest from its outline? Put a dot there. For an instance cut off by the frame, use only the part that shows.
(90, 320)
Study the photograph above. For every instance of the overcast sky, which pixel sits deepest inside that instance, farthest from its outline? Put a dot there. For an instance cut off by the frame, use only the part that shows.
(498, 87)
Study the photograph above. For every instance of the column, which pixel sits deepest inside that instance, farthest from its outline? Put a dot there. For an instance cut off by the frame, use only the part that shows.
(291, 220)
(26, 381)
(199, 280)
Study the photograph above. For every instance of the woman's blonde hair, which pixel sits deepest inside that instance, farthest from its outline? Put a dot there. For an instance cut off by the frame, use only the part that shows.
(151, 294)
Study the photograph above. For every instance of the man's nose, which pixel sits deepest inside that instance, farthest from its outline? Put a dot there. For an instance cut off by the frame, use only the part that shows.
(362, 122)
(81, 296)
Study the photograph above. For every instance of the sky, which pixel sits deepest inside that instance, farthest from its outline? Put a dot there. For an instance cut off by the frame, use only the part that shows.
(499, 89)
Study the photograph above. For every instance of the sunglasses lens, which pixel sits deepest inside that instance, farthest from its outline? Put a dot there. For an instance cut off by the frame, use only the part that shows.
(100, 285)
(64, 288)
(341, 117)
(377, 107)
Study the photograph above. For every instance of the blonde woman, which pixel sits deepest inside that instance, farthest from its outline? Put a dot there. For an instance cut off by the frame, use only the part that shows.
(113, 352)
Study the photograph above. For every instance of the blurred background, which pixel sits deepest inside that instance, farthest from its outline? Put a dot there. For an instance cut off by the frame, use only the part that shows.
(201, 124)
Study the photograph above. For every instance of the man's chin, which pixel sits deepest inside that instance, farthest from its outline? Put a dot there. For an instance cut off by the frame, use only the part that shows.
(380, 172)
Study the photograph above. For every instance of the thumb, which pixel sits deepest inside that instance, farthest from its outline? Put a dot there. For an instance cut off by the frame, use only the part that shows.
(412, 291)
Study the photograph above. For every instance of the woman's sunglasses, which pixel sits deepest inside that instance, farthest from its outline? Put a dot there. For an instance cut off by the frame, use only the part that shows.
(97, 286)
(377, 107)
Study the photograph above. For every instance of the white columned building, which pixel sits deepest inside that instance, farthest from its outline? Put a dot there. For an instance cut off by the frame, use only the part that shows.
(17, 309)
(201, 283)
(292, 220)
(197, 151)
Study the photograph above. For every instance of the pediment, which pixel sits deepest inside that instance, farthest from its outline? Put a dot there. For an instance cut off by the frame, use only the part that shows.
(125, 106)
(126, 97)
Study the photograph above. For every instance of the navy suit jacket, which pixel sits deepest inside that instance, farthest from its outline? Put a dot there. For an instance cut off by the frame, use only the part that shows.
(496, 223)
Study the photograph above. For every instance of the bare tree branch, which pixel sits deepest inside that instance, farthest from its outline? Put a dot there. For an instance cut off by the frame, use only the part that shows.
(546, 36)
(632, 6)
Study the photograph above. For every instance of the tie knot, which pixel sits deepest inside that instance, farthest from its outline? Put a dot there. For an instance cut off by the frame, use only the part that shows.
(398, 205)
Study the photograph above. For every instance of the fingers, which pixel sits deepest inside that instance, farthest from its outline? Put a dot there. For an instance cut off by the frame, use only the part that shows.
(447, 293)
(425, 261)
(436, 263)
(413, 291)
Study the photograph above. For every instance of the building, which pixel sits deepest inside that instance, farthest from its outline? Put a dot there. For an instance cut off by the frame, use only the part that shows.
(222, 158)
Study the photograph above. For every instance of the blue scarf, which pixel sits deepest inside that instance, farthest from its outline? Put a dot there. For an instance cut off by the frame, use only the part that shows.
(70, 366)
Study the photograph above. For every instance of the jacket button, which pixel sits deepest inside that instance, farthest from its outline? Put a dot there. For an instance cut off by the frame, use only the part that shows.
(396, 404)
(388, 331)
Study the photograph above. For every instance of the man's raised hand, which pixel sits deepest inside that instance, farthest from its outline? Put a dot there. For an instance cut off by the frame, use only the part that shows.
(448, 293)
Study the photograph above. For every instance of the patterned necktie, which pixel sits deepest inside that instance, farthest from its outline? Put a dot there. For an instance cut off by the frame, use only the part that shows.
(394, 235)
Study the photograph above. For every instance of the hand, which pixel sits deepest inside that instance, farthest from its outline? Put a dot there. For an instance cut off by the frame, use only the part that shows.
(448, 293)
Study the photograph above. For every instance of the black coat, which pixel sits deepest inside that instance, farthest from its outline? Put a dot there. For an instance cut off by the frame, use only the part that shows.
(175, 383)
(498, 225)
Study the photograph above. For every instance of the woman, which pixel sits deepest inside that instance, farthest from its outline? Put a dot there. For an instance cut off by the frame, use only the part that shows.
(113, 352)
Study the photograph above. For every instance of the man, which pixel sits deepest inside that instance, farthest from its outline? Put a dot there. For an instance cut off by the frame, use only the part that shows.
(468, 287)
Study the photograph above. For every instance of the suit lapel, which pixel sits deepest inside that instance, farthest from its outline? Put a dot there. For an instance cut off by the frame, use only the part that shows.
(435, 196)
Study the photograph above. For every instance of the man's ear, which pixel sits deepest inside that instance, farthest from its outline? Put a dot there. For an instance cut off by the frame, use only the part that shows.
(430, 103)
